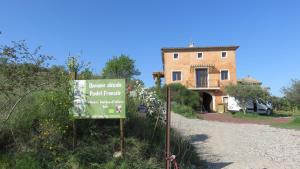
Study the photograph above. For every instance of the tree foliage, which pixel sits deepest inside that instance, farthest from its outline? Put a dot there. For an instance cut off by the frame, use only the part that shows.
(283, 104)
(120, 67)
(181, 95)
(292, 93)
(21, 69)
(22, 72)
(244, 93)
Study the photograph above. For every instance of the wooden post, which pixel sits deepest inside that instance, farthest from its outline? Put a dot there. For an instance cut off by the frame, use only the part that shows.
(74, 77)
(122, 137)
(74, 135)
(168, 120)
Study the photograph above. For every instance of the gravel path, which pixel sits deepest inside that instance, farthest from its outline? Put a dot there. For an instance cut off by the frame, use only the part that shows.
(241, 146)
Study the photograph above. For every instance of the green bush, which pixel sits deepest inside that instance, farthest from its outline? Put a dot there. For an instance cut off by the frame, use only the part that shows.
(181, 95)
(154, 135)
(26, 161)
(283, 104)
(49, 133)
(184, 110)
(4, 161)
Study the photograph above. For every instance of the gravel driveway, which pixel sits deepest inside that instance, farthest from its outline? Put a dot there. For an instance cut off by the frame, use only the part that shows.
(241, 146)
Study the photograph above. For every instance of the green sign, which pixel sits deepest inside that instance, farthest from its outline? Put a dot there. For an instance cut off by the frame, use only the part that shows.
(99, 99)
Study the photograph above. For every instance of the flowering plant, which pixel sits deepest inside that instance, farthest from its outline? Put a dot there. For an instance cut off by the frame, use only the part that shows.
(155, 106)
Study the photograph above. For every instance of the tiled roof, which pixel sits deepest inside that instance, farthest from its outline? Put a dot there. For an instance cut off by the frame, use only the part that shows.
(249, 80)
(208, 48)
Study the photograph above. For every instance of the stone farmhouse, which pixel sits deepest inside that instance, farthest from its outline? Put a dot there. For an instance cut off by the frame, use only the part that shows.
(203, 69)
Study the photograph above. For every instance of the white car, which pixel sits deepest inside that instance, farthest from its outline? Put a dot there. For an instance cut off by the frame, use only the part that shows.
(256, 106)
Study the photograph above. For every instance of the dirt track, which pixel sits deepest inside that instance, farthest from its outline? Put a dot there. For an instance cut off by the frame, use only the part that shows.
(241, 146)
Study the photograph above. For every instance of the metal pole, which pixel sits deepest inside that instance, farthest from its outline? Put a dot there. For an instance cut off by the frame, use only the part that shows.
(168, 120)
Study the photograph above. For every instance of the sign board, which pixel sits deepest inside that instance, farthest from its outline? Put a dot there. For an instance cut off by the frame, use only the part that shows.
(99, 99)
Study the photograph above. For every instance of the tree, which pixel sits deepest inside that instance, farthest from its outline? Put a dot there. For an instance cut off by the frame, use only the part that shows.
(120, 67)
(243, 93)
(23, 72)
(86, 74)
(292, 93)
(181, 95)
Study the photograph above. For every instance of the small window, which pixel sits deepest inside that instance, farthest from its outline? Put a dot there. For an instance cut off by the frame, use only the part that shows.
(225, 99)
(200, 55)
(175, 56)
(224, 54)
(176, 76)
(224, 75)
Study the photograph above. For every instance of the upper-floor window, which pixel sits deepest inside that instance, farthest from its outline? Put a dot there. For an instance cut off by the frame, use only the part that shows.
(176, 76)
(200, 55)
(175, 56)
(224, 54)
(224, 75)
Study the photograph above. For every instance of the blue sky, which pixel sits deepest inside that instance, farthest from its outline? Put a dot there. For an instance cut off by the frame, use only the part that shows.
(268, 32)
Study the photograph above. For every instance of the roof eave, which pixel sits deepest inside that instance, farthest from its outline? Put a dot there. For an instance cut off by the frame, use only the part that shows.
(211, 48)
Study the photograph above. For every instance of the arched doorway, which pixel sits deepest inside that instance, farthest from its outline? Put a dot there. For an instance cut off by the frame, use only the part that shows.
(207, 102)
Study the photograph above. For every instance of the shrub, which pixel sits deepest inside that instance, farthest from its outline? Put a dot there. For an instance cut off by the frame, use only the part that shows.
(4, 161)
(148, 132)
(26, 161)
(181, 95)
(184, 110)
(156, 107)
(292, 93)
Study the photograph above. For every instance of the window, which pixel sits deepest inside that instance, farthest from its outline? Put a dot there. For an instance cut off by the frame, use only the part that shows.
(225, 99)
(224, 54)
(200, 55)
(175, 56)
(224, 75)
(176, 76)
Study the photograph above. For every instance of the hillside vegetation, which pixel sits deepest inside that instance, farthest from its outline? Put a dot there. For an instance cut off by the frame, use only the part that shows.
(36, 129)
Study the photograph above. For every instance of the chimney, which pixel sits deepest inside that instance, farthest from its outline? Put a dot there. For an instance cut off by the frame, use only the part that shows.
(191, 44)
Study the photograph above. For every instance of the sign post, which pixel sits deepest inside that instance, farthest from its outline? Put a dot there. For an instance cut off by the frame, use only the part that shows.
(122, 137)
(168, 120)
(74, 77)
(100, 99)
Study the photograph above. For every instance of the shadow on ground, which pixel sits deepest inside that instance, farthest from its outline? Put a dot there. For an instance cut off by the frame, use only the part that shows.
(216, 165)
(198, 137)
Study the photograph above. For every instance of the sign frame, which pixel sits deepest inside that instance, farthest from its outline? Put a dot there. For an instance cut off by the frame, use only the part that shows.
(99, 99)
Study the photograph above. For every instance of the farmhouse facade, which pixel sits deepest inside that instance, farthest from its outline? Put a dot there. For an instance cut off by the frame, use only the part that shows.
(206, 70)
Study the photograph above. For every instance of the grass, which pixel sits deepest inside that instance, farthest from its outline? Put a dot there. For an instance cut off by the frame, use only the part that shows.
(294, 124)
(252, 116)
(288, 113)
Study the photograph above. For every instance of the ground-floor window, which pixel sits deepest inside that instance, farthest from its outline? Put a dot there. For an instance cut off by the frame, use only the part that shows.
(225, 99)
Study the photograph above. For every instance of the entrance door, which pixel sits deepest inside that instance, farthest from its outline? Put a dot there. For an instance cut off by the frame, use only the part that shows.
(202, 77)
(207, 102)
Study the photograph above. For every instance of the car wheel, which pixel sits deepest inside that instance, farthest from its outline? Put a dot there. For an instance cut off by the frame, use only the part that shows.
(268, 112)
